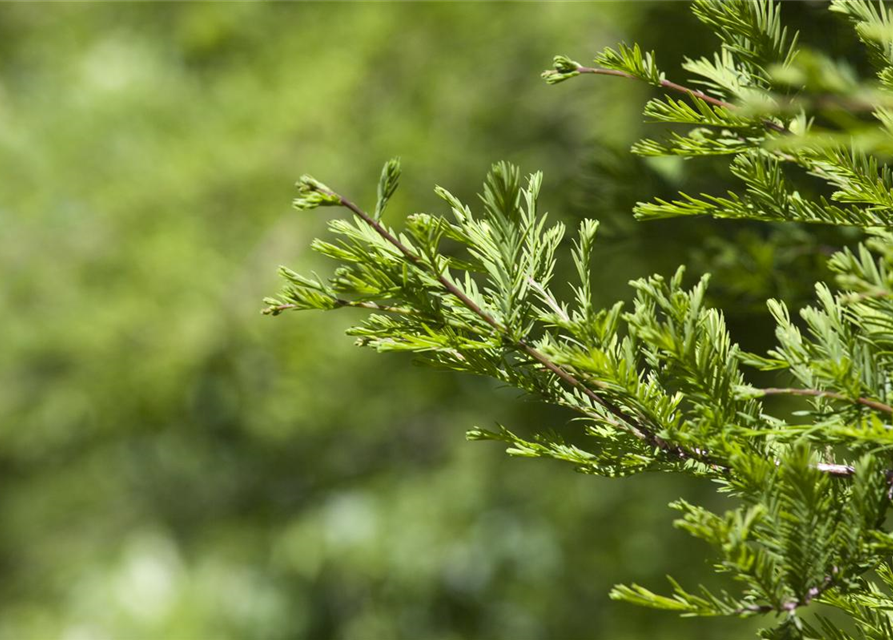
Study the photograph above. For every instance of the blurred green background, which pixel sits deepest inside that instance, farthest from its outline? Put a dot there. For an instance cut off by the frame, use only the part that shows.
(173, 464)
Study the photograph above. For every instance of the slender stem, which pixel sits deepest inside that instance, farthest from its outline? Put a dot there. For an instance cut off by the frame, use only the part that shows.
(664, 83)
(340, 302)
(820, 393)
(673, 86)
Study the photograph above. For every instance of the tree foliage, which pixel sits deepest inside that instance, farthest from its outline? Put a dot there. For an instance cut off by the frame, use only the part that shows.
(661, 385)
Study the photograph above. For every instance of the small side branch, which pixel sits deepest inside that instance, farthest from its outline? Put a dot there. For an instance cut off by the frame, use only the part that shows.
(666, 84)
(820, 393)
(673, 86)
(340, 302)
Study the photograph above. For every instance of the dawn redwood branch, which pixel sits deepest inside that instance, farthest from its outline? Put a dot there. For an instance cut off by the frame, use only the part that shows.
(820, 393)
(673, 86)
(633, 425)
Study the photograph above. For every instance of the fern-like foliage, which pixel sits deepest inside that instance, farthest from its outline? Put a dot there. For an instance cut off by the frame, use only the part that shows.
(661, 385)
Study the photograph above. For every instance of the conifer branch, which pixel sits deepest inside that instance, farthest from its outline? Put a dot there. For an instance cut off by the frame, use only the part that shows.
(630, 423)
(626, 421)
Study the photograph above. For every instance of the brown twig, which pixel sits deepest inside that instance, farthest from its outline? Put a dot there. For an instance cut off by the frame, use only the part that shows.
(664, 83)
(820, 393)
(673, 86)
